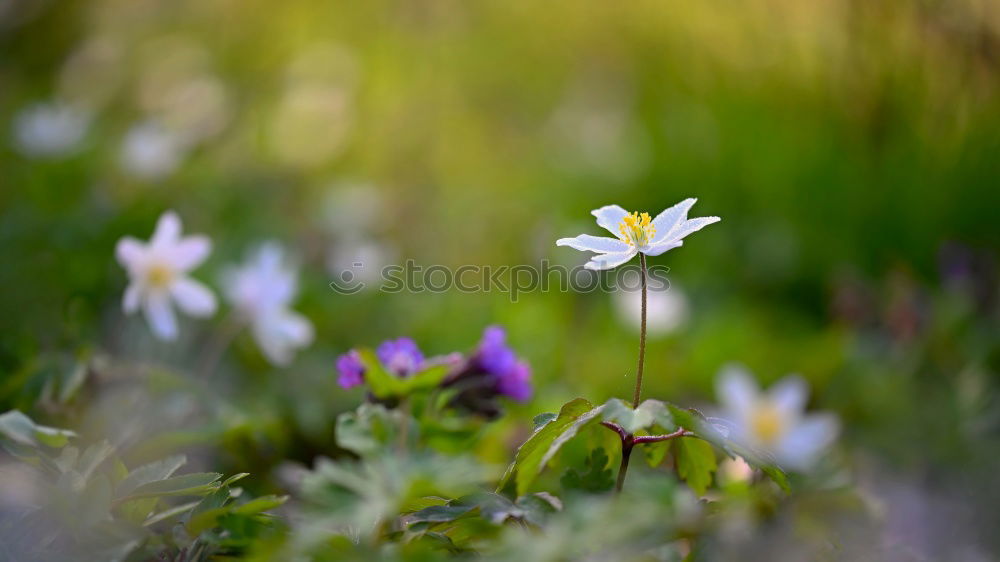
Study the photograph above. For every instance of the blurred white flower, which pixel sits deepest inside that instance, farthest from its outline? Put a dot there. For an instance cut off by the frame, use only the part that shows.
(636, 234)
(262, 290)
(158, 274)
(666, 309)
(359, 260)
(150, 151)
(774, 423)
(50, 129)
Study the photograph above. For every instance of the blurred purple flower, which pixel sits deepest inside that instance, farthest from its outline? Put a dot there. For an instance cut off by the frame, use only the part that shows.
(401, 357)
(351, 370)
(513, 377)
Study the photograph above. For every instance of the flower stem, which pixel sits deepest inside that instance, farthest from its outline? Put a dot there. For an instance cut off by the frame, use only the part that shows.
(627, 445)
(220, 341)
(642, 337)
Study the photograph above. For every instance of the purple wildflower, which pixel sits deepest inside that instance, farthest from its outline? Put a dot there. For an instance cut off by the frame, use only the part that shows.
(351, 370)
(401, 357)
(497, 359)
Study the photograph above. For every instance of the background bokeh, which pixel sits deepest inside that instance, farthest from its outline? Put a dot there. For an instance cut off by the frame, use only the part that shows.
(852, 149)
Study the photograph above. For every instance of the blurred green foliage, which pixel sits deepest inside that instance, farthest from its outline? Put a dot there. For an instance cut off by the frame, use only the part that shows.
(851, 148)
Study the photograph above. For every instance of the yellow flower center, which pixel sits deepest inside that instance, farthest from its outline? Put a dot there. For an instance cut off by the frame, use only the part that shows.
(767, 424)
(159, 275)
(636, 229)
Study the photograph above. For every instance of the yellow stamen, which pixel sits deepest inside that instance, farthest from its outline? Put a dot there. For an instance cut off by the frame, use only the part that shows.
(637, 229)
(767, 424)
(159, 275)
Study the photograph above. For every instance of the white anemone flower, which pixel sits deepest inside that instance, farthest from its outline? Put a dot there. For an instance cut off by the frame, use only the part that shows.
(636, 234)
(262, 290)
(773, 423)
(158, 275)
(50, 130)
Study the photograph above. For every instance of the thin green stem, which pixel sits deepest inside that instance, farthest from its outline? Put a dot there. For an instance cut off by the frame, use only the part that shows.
(642, 336)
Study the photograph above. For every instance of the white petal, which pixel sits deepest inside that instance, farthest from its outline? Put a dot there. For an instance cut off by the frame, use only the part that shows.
(609, 216)
(129, 252)
(168, 230)
(279, 333)
(607, 261)
(297, 328)
(790, 395)
(160, 316)
(737, 392)
(193, 297)
(693, 225)
(807, 440)
(657, 249)
(670, 218)
(190, 252)
(588, 243)
(131, 298)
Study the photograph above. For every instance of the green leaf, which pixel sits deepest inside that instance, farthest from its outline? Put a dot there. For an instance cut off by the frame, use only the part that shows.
(151, 472)
(372, 428)
(260, 505)
(382, 383)
(616, 410)
(655, 452)
(430, 377)
(596, 478)
(439, 513)
(168, 513)
(195, 484)
(19, 428)
(541, 420)
(539, 449)
(695, 462)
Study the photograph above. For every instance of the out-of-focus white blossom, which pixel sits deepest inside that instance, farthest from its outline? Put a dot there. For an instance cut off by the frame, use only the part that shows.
(773, 423)
(359, 259)
(158, 275)
(666, 309)
(261, 290)
(150, 151)
(50, 130)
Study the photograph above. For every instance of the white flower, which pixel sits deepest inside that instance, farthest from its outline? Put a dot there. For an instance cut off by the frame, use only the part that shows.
(774, 423)
(636, 233)
(149, 151)
(158, 271)
(50, 129)
(667, 309)
(261, 289)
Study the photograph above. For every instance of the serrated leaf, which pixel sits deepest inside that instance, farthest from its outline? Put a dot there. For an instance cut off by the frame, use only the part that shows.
(151, 472)
(372, 427)
(194, 484)
(538, 450)
(695, 462)
(595, 478)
